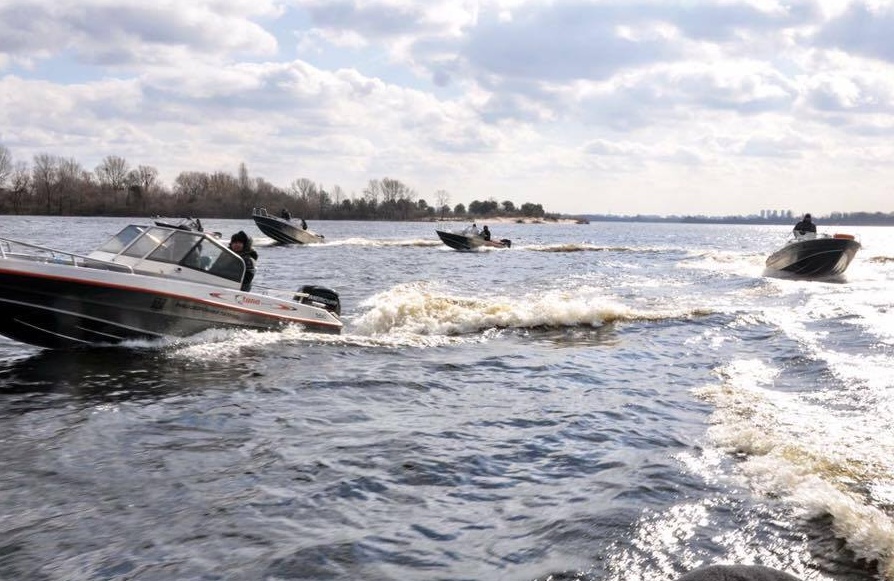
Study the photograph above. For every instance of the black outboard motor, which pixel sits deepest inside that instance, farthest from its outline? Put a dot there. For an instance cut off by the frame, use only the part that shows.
(507, 242)
(321, 297)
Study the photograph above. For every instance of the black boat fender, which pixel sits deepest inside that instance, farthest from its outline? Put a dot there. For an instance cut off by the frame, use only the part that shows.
(319, 296)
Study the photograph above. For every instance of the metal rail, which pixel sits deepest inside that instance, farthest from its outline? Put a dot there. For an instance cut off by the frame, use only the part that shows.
(6, 251)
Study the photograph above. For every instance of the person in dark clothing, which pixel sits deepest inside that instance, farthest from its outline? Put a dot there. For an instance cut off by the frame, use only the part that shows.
(805, 225)
(241, 244)
(485, 233)
(303, 224)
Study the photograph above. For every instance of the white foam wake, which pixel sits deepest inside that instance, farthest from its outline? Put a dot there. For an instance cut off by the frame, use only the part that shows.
(823, 459)
(421, 308)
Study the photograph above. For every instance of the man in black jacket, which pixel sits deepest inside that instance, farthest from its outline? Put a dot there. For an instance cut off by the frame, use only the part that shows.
(804, 226)
(240, 243)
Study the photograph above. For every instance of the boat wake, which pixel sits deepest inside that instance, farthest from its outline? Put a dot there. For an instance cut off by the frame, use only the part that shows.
(262, 241)
(385, 243)
(422, 309)
(784, 275)
(814, 470)
(585, 247)
(214, 345)
(723, 261)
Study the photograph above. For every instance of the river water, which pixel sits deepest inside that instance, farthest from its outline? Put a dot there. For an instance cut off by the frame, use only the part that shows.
(611, 401)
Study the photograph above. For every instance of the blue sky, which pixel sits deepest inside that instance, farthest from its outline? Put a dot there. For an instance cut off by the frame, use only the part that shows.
(615, 106)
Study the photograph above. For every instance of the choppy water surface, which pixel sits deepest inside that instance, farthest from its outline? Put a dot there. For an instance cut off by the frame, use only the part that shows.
(599, 402)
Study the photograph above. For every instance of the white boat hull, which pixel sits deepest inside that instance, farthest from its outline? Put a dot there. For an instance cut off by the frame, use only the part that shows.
(62, 306)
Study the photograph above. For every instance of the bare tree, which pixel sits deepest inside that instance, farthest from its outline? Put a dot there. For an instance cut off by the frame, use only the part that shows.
(306, 193)
(265, 189)
(21, 183)
(392, 190)
(222, 194)
(190, 185)
(141, 183)
(303, 188)
(71, 180)
(5, 164)
(442, 201)
(244, 180)
(337, 194)
(147, 177)
(371, 192)
(112, 172)
(324, 202)
(45, 172)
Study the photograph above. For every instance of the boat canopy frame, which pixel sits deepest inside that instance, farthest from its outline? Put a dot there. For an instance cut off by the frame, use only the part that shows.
(191, 249)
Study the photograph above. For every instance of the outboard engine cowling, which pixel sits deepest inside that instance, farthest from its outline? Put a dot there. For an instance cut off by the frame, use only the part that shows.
(321, 297)
(507, 242)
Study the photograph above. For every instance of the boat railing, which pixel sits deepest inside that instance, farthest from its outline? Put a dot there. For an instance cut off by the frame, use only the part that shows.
(260, 212)
(55, 256)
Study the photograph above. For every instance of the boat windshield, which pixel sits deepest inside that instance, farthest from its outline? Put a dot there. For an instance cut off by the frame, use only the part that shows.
(147, 242)
(186, 248)
(120, 240)
(175, 247)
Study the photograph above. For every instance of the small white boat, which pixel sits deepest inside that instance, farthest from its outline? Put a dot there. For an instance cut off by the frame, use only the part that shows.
(146, 282)
(283, 230)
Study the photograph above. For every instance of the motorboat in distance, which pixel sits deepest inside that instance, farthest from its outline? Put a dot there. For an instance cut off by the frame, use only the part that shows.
(283, 230)
(180, 223)
(469, 240)
(183, 224)
(145, 282)
(814, 256)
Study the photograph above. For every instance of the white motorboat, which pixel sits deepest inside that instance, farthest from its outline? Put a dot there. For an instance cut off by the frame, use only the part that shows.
(146, 282)
(284, 230)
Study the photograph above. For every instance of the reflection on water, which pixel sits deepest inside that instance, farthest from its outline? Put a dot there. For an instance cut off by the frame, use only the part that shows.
(112, 374)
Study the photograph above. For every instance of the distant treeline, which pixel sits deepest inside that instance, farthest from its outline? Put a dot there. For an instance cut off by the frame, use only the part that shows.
(52, 185)
(833, 219)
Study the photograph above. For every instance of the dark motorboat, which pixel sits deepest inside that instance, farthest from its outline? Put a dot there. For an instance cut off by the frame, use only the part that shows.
(146, 282)
(193, 224)
(283, 230)
(812, 256)
(466, 240)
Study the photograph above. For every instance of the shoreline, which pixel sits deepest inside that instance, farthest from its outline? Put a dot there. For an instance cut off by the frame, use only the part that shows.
(513, 220)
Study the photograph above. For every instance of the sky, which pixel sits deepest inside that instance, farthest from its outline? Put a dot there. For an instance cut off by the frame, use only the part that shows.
(715, 107)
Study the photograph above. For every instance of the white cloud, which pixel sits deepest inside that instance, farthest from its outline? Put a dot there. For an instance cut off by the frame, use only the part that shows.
(131, 32)
(507, 98)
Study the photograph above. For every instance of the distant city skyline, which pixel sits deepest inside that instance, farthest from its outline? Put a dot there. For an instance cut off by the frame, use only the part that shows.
(714, 107)
(851, 218)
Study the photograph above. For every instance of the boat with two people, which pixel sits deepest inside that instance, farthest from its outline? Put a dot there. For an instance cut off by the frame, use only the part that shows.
(812, 255)
(187, 223)
(283, 229)
(471, 238)
(146, 282)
